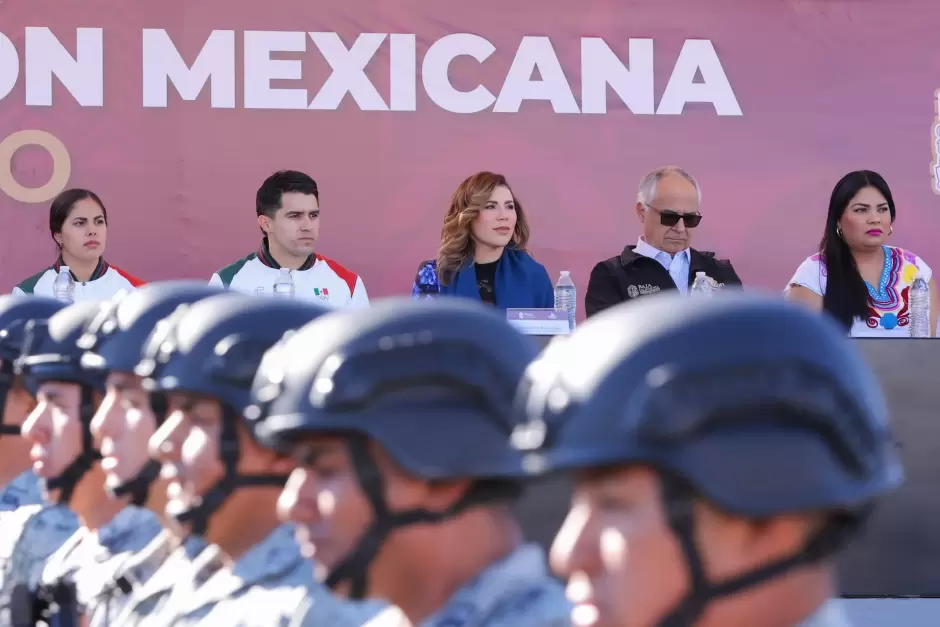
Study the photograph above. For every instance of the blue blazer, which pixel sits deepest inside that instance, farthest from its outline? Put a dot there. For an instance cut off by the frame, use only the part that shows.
(521, 282)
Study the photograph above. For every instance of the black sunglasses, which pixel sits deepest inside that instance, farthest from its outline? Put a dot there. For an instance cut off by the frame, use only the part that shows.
(671, 218)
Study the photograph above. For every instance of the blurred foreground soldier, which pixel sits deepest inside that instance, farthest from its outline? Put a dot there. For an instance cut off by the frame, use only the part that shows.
(724, 452)
(123, 425)
(65, 456)
(19, 486)
(400, 421)
(31, 529)
(223, 485)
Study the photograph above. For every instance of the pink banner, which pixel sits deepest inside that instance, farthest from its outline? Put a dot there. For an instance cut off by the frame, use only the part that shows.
(174, 112)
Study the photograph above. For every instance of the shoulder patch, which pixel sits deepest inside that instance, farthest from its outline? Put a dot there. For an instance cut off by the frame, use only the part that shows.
(228, 272)
(28, 285)
(346, 275)
(130, 277)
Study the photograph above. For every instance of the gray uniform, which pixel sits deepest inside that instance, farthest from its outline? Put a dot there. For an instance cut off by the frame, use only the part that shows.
(516, 591)
(132, 575)
(320, 607)
(829, 615)
(28, 537)
(22, 491)
(148, 601)
(263, 588)
(89, 560)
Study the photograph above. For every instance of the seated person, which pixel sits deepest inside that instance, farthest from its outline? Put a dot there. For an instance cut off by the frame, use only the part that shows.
(483, 250)
(857, 278)
(667, 205)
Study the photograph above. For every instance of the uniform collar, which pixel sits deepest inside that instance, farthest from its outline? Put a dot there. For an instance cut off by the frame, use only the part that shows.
(129, 522)
(522, 570)
(129, 530)
(830, 614)
(277, 554)
(179, 564)
(648, 250)
(265, 257)
(99, 272)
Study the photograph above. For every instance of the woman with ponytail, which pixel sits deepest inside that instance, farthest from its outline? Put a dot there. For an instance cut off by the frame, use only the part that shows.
(855, 277)
(78, 224)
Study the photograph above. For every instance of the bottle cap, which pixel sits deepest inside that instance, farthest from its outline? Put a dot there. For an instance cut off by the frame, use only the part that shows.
(702, 274)
(565, 273)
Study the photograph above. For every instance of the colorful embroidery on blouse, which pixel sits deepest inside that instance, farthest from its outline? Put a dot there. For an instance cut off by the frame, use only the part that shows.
(822, 264)
(888, 304)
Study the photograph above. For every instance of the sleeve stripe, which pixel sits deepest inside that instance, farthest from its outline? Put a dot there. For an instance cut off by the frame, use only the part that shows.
(134, 281)
(348, 276)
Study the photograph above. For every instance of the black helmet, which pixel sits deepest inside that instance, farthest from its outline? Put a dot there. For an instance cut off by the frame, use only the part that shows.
(213, 348)
(432, 382)
(114, 342)
(15, 312)
(756, 405)
(51, 353)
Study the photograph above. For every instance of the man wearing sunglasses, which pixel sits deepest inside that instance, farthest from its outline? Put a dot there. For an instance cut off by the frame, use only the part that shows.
(667, 205)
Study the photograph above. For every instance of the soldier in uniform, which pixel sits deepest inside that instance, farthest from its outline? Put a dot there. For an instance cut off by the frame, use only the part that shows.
(224, 486)
(19, 486)
(32, 528)
(65, 456)
(724, 452)
(400, 419)
(123, 426)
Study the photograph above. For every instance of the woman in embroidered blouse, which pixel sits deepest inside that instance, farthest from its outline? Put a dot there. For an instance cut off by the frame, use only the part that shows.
(483, 250)
(78, 224)
(856, 277)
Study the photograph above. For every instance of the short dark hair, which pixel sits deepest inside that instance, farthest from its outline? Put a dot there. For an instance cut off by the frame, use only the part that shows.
(62, 206)
(268, 199)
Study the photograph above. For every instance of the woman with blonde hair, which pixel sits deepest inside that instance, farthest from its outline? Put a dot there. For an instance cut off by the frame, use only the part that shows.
(483, 250)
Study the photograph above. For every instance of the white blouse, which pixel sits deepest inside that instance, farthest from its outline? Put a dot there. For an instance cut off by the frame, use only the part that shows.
(888, 303)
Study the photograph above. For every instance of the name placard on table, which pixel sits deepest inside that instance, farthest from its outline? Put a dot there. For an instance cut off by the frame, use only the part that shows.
(539, 321)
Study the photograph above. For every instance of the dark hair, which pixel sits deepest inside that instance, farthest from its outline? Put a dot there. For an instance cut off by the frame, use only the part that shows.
(846, 296)
(63, 204)
(268, 199)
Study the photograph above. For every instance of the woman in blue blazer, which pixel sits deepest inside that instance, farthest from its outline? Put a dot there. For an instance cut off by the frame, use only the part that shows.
(483, 250)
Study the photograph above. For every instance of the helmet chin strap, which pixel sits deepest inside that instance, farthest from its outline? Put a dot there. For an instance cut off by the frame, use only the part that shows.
(66, 482)
(354, 568)
(678, 498)
(6, 383)
(197, 518)
(138, 488)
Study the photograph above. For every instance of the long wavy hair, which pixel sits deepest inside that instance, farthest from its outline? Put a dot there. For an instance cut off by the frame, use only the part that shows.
(846, 295)
(465, 205)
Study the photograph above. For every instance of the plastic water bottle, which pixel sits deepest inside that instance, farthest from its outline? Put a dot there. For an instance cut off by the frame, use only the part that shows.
(284, 285)
(63, 288)
(702, 284)
(920, 307)
(566, 297)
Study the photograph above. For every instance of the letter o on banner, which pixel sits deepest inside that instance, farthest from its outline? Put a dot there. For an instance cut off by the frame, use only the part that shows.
(61, 166)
